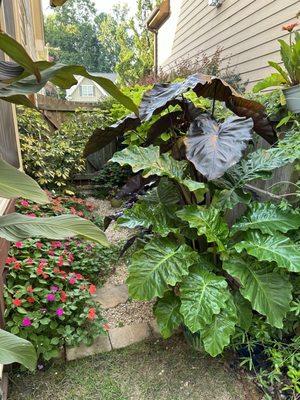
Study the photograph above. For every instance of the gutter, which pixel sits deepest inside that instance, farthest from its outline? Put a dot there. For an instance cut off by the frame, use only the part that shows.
(158, 17)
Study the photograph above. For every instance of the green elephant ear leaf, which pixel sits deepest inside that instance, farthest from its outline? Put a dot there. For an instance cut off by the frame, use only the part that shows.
(214, 148)
(160, 263)
(167, 313)
(15, 227)
(275, 79)
(269, 292)
(203, 294)
(216, 336)
(244, 311)
(277, 248)
(207, 221)
(268, 218)
(160, 218)
(150, 161)
(14, 183)
(165, 193)
(15, 349)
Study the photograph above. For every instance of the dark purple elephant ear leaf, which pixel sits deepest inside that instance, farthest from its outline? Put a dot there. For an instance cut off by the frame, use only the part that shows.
(214, 148)
(162, 96)
(102, 137)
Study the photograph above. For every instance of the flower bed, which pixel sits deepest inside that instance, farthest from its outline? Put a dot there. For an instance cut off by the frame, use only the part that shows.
(50, 284)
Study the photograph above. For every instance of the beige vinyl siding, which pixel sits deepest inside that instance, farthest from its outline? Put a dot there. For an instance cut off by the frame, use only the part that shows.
(76, 95)
(247, 30)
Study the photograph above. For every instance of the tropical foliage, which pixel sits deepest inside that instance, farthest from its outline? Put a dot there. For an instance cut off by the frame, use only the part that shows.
(290, 55)
(207, 273)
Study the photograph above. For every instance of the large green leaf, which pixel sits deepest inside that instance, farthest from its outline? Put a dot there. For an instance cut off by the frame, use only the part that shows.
(14, 349)
(15, 227)
(165, 193)
(216, 336)
(269, 81)
(17, 53)
(244, 311)
(64, 77)
(268, 218)
(9, 70)
(269, 292)
(203, 294)
(214, 148)
(277, 247)
(14, 183)
(207, 221)
(161, 218)
(160, 263)
(167, 313)
(151, 162)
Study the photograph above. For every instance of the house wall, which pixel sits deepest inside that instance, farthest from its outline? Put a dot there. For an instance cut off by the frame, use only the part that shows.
(76, 96)
(247, 30)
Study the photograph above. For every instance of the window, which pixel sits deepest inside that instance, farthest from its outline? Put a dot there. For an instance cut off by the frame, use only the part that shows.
(87, 90)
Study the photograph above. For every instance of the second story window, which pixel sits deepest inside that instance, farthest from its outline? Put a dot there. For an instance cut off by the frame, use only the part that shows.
(87, 90)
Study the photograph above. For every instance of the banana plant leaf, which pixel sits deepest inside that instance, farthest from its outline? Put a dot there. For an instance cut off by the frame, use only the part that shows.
(15, 227)
(161, 96)
(214, 148)
(15, 349)
(9, 70)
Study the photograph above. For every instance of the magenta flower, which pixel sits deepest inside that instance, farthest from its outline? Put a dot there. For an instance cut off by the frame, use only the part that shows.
(24, 203)
(31, 215)
(72, 281)
(19, 245)
(59, 312)
(54, 289)
(26, 322)
(50, 297)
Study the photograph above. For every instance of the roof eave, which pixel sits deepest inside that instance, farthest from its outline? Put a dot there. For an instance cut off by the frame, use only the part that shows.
(159, 15)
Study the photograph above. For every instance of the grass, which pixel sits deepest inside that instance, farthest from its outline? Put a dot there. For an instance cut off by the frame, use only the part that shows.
(164, 370)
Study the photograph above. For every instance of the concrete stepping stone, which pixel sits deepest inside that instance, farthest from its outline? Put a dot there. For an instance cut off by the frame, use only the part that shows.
(127, 335)
(101, 345)
(110, 296)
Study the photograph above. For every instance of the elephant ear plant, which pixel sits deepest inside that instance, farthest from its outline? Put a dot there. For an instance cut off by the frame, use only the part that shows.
(207, 275)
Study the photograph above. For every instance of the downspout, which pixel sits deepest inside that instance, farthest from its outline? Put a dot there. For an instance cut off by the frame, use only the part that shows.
(155, 33)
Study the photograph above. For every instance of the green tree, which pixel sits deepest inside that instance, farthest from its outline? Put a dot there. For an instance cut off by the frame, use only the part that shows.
(129, 40)
(72, 33)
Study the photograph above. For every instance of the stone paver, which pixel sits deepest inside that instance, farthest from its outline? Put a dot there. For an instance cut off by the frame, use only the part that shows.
(110, 296)
(154, 329)
(127, 335)
(100, 345)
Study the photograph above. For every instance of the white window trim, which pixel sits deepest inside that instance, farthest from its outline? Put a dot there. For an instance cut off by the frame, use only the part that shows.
(89, 90)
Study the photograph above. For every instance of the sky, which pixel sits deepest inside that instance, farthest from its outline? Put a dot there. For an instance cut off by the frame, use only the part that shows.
(102, 5)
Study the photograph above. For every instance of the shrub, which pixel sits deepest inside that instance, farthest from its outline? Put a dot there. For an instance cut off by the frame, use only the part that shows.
(53, 158)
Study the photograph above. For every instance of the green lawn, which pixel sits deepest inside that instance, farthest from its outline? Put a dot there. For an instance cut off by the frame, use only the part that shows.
(164, 370)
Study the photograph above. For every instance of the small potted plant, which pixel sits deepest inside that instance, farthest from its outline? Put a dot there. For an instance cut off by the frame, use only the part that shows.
(289, 76)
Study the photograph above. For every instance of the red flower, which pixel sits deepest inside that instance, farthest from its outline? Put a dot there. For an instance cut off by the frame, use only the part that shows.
(24, 203)
(39, 245)
(79, 276)
(63, 296)
(19, 245)
(92, 289)
(17, 302)
(29, 261)
(31, 215)
(39, 271)
(43, 263)
(17, 266)
(10, 260)
(51, 252)
(30, 299)
(91, 314)
(290, 27)
(71, 257)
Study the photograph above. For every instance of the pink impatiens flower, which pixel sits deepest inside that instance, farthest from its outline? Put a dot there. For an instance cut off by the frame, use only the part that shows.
(31, 215)
(59, 312)
(19, 245)
(39, 245)
(54, 289)
(50, 297)
(26, 322)
(72, 281)
(24, 203)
